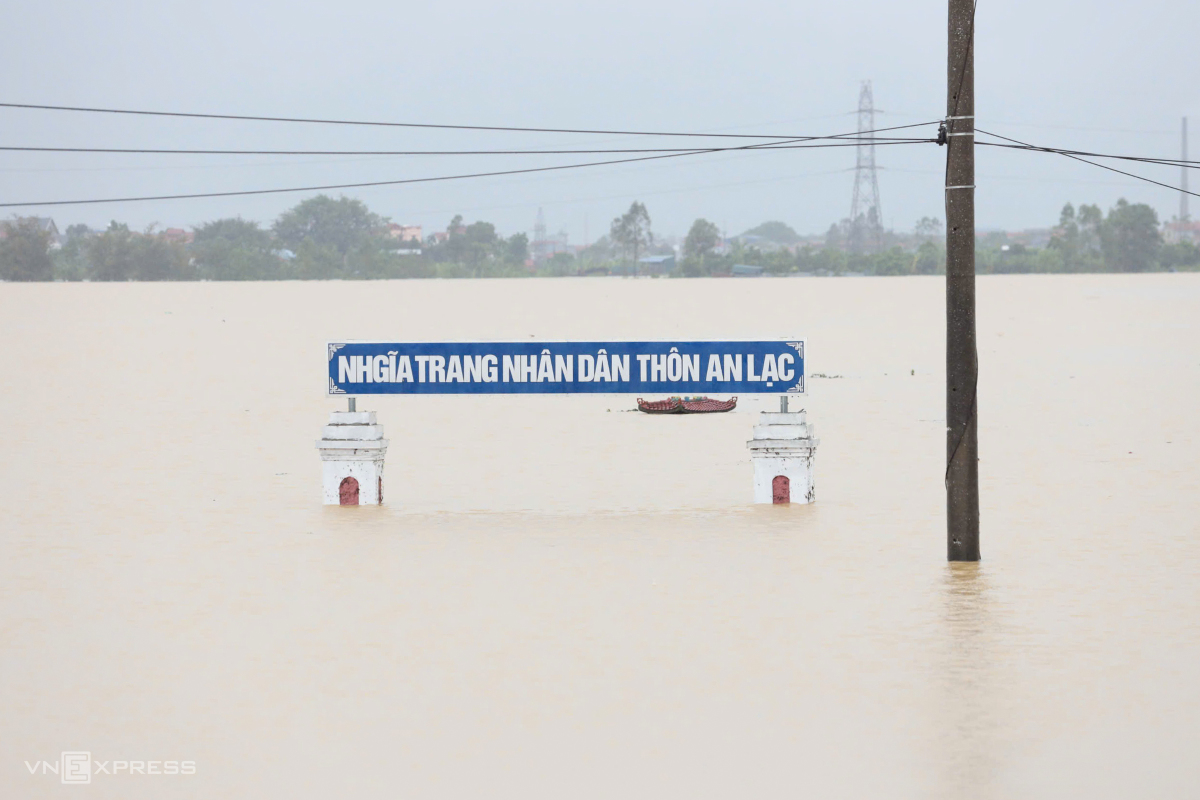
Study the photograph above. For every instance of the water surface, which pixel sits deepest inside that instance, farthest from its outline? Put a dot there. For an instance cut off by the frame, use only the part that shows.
(564, 598)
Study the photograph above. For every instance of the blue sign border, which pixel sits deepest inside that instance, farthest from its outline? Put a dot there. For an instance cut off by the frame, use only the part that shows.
(670, 367)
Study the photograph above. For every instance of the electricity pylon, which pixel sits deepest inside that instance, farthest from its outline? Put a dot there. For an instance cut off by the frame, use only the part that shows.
(866, 216)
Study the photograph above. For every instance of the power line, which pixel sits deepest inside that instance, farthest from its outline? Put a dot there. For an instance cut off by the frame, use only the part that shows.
(199, 195)
(652, 193)
(319, 121)
(1035, 148)
(1166, 162)
(850, 142)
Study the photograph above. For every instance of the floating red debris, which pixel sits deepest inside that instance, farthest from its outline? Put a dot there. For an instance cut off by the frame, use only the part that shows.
(706, 405)
(672, 405)
(691, 405)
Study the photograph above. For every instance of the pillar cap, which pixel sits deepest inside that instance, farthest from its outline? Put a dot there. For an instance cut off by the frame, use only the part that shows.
(352, 444)
(782, 417)
(355, 433)
(352, 418)
(783, 445)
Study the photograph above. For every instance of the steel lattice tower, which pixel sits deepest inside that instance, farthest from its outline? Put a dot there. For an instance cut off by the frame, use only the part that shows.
(866, 215)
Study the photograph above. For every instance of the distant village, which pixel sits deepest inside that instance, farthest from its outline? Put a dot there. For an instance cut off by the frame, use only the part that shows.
(332, 238)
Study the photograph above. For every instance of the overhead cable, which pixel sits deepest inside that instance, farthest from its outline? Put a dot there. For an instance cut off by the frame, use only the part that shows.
(1166, 162)
(1035, 148)
(320, 121)
(198, 195)
(849, 142)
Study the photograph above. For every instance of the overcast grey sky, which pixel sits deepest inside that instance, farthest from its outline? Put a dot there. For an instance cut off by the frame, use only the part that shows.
(1103, 75)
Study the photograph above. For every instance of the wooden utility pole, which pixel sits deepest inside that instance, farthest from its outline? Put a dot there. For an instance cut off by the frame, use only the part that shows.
(962, 364)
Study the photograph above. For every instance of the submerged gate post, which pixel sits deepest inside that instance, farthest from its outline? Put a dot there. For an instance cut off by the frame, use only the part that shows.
(352, 452)
(782, 450)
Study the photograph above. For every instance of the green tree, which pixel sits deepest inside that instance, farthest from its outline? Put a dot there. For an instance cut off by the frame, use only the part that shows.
(342, 224)
(775, 231)
(235, 249)
(1077, 239)
(480, 243)
(893, 261)
(1049, 260)
(154, 258)
(71, 261)
(111, 253)
(927, 259)
(483, 233)
(1090, 219)
(331, 238)
(25, 252)
(1129, 237)
(477, 250)
(1066, 235)
(838, 235)
(825, 260)
(119, 254)
(516, 248)
(631, 231)
(598, 257)
(1181, 255)
(559, 265)
(454, 247)
(701, 240)
(928, 228)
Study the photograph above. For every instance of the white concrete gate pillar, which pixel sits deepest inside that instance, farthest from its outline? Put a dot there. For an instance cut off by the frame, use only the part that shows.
(782, 451)
(352, 451)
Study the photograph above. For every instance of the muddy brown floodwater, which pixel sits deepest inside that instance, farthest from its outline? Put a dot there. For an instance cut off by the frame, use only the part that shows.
(566, 599)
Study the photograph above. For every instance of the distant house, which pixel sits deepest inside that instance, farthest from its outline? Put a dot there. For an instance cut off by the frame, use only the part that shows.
(178, 236)
(1031, 237)
(1176, 232)
(549, 246)
(656, 265)
(47, 225)
(44, 224)
(404, 233)
(746, 271)
(762, 243)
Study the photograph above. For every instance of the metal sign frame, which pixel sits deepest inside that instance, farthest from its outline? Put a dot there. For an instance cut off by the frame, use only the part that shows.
(667, 366)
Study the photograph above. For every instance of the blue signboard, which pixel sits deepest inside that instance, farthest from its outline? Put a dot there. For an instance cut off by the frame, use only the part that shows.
(672, 368)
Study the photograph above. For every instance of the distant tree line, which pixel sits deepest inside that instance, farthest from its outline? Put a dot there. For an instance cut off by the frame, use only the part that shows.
(321, 238)
(778, 249)
(1126, 239)
(328, 238)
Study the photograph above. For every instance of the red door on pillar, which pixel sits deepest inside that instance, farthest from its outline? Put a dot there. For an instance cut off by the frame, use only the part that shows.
(781, 489)
(348, 492)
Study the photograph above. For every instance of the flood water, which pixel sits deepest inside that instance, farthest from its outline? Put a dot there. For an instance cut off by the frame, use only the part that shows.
(566, 599)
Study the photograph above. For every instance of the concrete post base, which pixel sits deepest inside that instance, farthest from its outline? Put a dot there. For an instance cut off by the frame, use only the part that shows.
(352, 452)
(782, 451)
